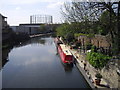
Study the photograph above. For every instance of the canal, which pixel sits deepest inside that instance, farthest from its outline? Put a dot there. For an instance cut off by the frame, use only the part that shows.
(36, 64)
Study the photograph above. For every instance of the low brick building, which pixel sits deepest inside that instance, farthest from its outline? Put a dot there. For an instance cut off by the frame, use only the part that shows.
(101, 42)
(84, 40)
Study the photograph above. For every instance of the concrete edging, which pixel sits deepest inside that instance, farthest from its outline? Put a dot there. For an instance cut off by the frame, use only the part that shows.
(85, 76)
(83, 72)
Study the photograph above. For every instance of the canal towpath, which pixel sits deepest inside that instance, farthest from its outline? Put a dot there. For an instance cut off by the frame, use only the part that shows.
(89, 72)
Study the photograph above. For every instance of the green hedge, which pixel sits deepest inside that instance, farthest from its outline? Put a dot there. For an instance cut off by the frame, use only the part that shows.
(97, 60)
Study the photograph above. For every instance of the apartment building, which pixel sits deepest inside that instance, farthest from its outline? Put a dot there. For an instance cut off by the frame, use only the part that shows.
(3, 22)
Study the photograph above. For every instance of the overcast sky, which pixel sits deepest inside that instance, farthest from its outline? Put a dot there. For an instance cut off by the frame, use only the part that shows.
(19, 11)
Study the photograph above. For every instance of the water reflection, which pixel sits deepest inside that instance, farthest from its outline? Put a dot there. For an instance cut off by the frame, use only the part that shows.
(42, 41)
(68, 68)
(36, 65)
(5, 53)
(31, 41)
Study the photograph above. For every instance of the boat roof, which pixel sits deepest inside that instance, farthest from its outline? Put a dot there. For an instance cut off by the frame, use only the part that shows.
(65, 49)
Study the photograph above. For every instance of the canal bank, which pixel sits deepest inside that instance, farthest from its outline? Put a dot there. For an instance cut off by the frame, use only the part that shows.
(40, 35)
(88, 73)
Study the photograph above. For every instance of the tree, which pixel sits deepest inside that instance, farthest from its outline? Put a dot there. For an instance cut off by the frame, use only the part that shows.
(89, 13)
(80, 12)
(114, 13)
(104, 23)
(42, 29)
(67, 31)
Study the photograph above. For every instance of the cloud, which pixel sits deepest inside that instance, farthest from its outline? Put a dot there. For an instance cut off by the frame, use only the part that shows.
(18, 11)
(54, 5)
(17, 8)
(16, 2)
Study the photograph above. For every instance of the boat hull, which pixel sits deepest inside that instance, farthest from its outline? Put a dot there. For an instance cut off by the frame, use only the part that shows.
(66, 59)
(57, 41)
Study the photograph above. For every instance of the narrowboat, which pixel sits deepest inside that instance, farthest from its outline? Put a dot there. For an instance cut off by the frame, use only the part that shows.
(65, 54)
(57, 41)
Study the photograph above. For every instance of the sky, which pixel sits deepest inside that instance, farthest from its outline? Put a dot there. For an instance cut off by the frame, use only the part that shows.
(19, 11)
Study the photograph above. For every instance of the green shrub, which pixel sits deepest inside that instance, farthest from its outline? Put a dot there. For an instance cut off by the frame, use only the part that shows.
(97, 60)
(98, 75)
(93, 48)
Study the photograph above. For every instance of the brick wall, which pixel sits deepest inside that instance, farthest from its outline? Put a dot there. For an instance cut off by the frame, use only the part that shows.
(98, 41)
(101, 41)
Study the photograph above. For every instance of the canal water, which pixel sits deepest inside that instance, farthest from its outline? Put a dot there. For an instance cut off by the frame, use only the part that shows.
(36, 64)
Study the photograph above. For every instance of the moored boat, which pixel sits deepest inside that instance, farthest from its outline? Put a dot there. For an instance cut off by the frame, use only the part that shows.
(57, 41)
(65, 54)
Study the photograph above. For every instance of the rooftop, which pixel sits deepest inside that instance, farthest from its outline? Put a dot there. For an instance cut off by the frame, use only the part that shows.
(2, 16)
(65, 49)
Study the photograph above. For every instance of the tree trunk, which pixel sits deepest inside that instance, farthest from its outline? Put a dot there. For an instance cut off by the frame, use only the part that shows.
(118, 27)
